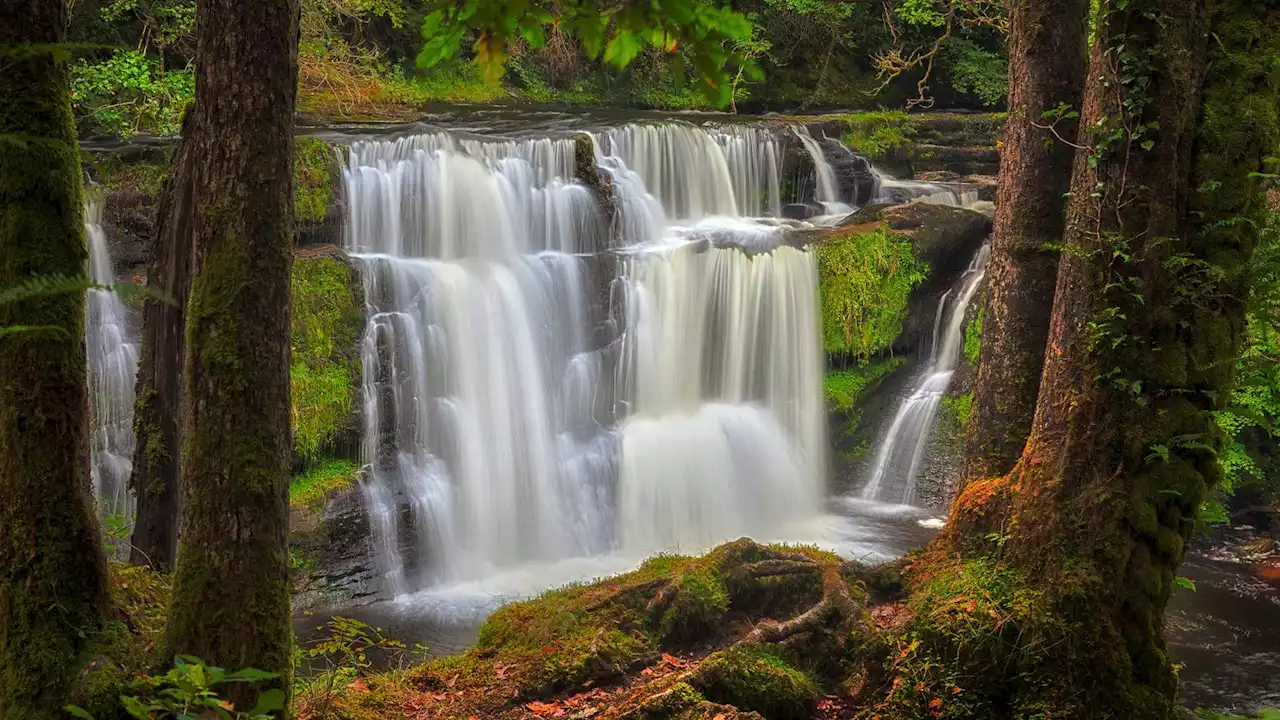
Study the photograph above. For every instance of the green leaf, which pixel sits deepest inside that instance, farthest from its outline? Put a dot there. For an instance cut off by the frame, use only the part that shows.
(78, 712)
(1184, 582)
(622, 49)
(251, 675)
(268, 700)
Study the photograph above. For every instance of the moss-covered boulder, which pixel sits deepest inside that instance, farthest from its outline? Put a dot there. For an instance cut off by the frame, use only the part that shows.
(318, 204)
(326, 327)
(331, 550)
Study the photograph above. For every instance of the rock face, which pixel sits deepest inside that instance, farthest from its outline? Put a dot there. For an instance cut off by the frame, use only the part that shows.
(854, 174)
(333, 555)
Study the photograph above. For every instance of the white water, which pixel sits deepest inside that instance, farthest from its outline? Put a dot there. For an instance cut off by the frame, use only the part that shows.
(695, 173)
(828, 190)
(113, 361)
(902, 450)
(500, 435)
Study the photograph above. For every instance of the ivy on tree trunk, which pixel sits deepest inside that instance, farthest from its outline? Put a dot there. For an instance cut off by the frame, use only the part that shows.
(1094, 520)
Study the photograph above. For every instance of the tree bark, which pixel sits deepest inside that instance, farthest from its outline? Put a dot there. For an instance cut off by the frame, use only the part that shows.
(230, 598)
(1047, 47)
(52, 567)
(158, 454)
(1147, 322)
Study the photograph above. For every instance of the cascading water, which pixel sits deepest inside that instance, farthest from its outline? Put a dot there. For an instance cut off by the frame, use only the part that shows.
(502, 427)
(113, 362)
(828, 191)
(903, 447)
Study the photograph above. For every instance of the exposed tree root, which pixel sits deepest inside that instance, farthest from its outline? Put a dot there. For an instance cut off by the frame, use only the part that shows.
(746, 632)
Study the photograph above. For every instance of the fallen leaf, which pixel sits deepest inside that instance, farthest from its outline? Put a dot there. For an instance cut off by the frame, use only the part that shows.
(673, 661)
(453, 679)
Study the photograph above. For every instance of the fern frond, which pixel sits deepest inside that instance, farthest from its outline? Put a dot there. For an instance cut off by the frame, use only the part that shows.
(41, 286)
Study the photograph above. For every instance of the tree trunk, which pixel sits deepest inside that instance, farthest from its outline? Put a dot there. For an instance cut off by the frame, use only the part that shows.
(52, 566)
(158, 456)
(230, 597)
(1147, 322)
(1046, 66)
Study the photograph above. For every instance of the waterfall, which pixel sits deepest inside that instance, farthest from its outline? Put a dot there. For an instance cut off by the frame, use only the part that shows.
(113, 361)
(696, 173)
(726, 432)
(903, 447)
(828, 189)
(542, 383)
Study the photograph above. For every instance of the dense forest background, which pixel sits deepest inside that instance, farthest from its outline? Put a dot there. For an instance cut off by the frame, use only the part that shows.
(357, 60)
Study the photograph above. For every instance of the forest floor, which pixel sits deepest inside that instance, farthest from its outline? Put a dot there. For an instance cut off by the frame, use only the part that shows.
(747, 631)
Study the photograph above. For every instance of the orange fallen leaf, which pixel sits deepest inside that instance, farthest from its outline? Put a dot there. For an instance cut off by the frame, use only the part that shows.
(673, 661)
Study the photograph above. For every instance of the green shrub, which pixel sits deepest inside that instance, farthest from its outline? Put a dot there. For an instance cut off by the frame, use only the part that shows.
(129, 93)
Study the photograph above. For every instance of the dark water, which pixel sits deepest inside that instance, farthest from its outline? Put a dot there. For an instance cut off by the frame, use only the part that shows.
(1227, 633)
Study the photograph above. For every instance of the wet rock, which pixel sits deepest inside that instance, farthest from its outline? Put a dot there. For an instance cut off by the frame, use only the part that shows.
(333, 555)
(801, 211)
(854, 175)
(945, 237)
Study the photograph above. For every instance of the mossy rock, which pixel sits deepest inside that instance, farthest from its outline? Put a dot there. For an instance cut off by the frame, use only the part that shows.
(317, 191)
(326, 327)
(751, 679)
(700, 604)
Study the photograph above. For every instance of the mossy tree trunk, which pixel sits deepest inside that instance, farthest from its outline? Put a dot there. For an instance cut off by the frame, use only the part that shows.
(52, 567)
(157, 457)
(1047, 47)
(230, 597)
(1148, 318)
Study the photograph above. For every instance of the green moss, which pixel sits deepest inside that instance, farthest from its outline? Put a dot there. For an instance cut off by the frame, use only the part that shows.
(973, 339)
(671, 703)
(751, 679)
(865, 279)
(699, 606)
(843, 388)
(126, 648)
(328, 318)
(309, 489)
(959, 406)
(313, 179)
(878, 133)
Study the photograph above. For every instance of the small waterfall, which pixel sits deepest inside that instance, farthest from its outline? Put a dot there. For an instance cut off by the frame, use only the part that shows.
(696, 173)
(903, 448)
(543, 383)
(828, 189)
(113, 361)
(893, 190)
